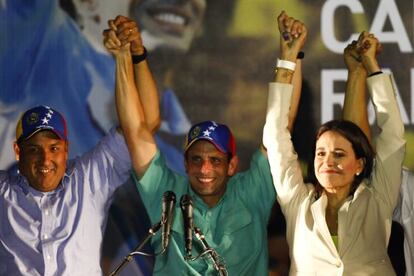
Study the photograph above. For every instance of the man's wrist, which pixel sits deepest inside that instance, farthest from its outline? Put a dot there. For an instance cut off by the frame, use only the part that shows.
(370, 64)
(123, 56)
(138, 58)
(292, 56)
(359, 71)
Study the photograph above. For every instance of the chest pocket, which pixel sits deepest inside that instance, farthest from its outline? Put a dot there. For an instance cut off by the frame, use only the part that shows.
(238, 237)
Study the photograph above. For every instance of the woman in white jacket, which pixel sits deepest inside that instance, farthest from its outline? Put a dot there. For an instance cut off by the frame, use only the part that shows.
(340, 223)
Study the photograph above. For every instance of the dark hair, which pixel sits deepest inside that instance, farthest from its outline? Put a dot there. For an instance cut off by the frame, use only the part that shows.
(360, 144)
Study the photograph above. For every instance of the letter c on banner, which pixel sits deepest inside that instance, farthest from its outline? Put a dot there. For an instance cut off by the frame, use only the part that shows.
(328, 24)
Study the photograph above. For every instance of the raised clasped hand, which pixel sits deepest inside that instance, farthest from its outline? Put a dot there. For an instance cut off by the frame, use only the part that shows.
(293, 35)
(123, 35)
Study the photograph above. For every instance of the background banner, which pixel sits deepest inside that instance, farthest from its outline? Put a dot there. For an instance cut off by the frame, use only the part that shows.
(212, 60)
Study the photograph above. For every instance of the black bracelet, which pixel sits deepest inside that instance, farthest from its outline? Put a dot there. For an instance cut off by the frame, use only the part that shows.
(138, 58)
(375, 73)
(300, 55)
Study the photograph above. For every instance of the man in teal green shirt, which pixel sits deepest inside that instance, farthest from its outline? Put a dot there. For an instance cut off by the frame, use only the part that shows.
(231, 209)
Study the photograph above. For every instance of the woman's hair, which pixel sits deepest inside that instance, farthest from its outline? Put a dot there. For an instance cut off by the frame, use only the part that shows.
(360, 144)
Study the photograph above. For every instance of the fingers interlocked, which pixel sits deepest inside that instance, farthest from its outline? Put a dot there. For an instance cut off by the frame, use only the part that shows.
(123, 32)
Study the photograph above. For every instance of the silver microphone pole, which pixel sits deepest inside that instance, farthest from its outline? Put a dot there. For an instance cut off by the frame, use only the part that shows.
(128, 258)
(215, 258)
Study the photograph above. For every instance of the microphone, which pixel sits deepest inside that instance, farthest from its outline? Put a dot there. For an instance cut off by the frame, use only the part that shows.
(186, 204)
(168, 203)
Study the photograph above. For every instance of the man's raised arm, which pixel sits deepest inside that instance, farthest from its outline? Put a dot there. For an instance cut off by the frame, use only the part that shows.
(131, 113)
(355, 102)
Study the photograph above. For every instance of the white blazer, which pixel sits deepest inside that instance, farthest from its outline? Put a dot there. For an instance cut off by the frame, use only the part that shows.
(364, 220)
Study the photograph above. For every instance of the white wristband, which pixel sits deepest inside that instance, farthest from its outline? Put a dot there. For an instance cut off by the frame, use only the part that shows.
(286, 64)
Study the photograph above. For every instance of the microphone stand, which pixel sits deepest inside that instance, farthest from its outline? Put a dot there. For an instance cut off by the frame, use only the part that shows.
(128, 258)
(220, 267)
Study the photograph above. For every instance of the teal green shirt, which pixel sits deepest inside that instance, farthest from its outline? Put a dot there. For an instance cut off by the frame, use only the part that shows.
(235, 227)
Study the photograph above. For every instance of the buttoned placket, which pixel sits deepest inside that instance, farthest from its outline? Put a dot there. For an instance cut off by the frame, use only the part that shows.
(207, 220)
(208, 234)
(45, 233)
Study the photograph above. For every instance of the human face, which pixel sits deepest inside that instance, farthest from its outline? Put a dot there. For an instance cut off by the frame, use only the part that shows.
(208, 171)
(42, 160)
(168, 23)
(335, 162)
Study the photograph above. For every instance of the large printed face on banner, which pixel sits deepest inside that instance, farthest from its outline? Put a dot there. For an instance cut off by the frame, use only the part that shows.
(168, 23)
(164, 23)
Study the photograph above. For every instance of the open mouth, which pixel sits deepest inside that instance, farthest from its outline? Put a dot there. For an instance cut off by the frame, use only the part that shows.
(170, 19)
(205, 180)
(45, 171)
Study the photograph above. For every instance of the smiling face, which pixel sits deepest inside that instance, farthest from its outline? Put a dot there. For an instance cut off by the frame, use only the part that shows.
(335, 162)
(168, 23)
(42, 160)
(208, 171)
